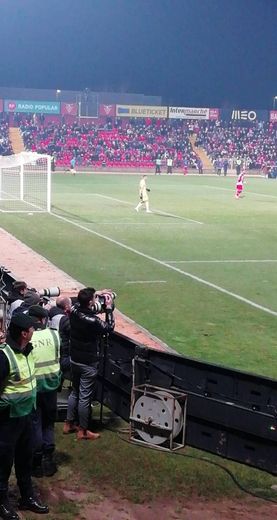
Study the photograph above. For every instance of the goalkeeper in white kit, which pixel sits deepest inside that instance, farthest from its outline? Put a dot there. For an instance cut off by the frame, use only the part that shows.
(143, 195)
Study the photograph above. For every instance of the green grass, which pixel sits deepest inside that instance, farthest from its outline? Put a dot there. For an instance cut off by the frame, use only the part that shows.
(112, 467)
(195, 319)
(150, 473)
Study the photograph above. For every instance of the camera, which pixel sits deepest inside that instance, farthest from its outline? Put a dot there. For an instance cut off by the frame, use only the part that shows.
(104, 302)
(50, 292)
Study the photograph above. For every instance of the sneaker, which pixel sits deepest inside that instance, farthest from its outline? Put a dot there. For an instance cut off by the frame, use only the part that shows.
(69, 427)
(87, 435)
(148, 211)
(136, 209)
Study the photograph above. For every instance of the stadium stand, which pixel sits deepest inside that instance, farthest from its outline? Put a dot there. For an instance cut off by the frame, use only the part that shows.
(255, 144)
(125, 144)
(16, 140)
(136, 143)
(5, 144)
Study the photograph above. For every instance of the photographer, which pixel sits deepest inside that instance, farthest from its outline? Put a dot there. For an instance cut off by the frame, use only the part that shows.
(87, 330)
(31, 298)
(17, 295)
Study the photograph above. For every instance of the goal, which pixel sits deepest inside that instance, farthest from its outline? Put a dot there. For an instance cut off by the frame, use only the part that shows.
(25, 183)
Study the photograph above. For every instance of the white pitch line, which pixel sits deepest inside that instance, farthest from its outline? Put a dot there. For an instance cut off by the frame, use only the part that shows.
(146, 281)
(171, 267)
(176, 216)
(153, 210)
(233, 190)
(220, 261)
(144, 223)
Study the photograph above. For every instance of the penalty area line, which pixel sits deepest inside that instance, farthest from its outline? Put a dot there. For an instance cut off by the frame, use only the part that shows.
(156, 211)
(167, 265)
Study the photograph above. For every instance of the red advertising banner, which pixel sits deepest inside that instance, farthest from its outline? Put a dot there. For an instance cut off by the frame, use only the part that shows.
(1, 105)
(214, 113)
(273, 116)
(107, 110)
(69, 109)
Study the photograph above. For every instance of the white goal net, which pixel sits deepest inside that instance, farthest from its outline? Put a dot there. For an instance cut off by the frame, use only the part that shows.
(25, 183)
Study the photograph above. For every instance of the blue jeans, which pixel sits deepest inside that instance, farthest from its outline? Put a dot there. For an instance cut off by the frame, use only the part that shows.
(83, 391)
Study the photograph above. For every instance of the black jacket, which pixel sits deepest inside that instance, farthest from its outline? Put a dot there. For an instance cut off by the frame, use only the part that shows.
(86, 331)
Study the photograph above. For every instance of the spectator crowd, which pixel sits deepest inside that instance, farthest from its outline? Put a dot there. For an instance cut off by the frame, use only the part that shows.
(123, 143)
(129, 143)
(5, 144)
(255, 144)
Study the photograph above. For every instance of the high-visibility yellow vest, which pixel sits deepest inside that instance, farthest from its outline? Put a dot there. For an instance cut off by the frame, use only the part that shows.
(19, 392)
(46, 351)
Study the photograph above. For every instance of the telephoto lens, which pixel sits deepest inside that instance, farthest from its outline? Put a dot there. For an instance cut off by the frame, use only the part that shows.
(97, 307)
(104, 302)
(50, 292)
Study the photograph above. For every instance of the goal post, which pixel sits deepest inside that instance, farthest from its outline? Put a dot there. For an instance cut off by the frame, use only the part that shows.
(25, 183)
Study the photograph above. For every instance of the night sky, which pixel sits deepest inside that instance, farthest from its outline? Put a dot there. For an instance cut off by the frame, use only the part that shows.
(217, 53)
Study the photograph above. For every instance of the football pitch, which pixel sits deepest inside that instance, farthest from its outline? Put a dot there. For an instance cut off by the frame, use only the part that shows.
(199, 272)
